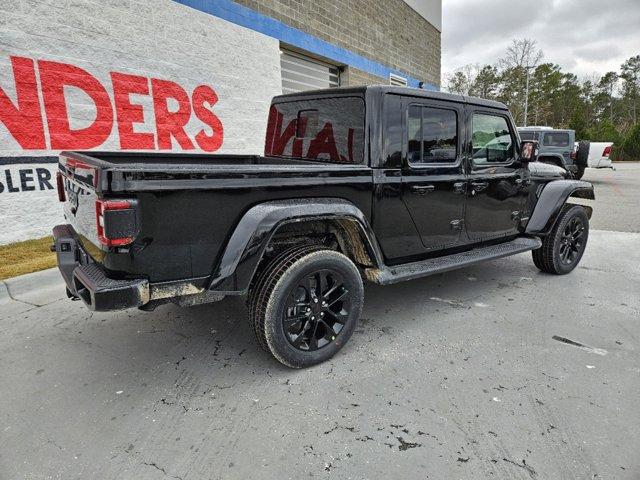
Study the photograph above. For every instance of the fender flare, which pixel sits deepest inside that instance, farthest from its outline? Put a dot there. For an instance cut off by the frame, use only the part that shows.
(256, 228)
(551, 200)
(556, 157)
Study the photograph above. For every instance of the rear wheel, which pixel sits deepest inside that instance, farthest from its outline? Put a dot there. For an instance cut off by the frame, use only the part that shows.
(563, 248)
(305, 305)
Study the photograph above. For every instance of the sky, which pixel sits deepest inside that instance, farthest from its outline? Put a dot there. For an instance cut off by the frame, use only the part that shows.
(582, 36)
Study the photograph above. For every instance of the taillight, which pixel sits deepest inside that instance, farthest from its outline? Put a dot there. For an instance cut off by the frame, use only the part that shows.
(607, 151)
(121, 213)
(573, 155)
(60, 183)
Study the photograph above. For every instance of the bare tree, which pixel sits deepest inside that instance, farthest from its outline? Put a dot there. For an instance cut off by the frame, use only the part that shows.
(523, 54)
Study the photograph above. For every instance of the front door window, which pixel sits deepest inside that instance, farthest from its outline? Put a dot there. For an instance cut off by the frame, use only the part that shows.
(491, 140)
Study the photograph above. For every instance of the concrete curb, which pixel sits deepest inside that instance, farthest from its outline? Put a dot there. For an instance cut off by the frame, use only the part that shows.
(37, 289)
(4, 293)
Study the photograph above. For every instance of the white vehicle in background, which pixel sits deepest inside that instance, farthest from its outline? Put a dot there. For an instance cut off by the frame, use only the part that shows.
(599, 155)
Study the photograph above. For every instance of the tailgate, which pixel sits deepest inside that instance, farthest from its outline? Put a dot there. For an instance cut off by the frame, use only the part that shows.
(78, 179)
(100, 222)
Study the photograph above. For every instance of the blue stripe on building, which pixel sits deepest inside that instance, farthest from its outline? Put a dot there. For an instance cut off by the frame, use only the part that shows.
(245, 17)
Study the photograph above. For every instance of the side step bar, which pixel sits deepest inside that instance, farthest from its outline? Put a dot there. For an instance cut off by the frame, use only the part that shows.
(388, 275)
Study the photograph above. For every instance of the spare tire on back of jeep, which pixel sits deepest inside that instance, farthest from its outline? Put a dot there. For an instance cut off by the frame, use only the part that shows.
(582, 158)
(582, 154)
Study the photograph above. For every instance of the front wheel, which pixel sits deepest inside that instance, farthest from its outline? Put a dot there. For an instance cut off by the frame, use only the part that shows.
(307, 306)
(563, 248)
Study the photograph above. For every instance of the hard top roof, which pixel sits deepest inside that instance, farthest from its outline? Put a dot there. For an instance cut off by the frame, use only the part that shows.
(382, 89)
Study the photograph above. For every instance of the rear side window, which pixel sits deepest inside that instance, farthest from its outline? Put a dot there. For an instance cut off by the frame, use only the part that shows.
(528, 135)
(324, 129)
(556, 139)
(491, 139)
(433, 135)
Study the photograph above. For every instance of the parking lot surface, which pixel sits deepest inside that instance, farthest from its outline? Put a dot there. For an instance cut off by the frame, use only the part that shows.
(494, 371)
(618, 197)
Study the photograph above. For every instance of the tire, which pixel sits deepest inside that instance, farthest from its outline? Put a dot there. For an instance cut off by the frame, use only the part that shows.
(579, 173)
(299, 323)
(257, 285)
(563, 248)
(582, 154)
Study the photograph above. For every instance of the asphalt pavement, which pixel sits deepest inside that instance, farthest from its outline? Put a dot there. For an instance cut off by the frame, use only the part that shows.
(493, 371)
(618, 197)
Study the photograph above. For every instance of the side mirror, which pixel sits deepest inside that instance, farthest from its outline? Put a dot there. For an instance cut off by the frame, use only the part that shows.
(529, 151)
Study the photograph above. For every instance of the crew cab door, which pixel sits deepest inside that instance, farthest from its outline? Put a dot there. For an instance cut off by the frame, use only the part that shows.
(433, 178)
(496, 191)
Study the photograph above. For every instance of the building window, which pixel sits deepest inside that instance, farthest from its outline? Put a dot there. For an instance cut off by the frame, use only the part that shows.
(300, 73)
(397, 80)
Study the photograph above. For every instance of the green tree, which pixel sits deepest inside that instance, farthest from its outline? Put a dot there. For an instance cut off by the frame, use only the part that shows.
(511, 91)
(578, 123)
(546, 85)
(486, 83)
(605, 131)
(607, 85)
(458, 83)
(630, 74)
(601, 107)
(631, 144)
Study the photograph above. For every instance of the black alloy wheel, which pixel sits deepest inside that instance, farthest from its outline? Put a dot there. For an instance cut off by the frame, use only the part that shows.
(571, 241)
(316, 310)
(305, 305)
(563, 247)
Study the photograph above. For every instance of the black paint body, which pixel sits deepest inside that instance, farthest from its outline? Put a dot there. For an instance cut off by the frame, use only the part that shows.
(207, 219)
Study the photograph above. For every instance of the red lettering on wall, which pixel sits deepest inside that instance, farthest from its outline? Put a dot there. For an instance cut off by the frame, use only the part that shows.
(324, 143)
(127, 113)
(24, 122)
(277, 140)
(54, 77)
(175, 112)
(206, 95)
(301, 132)
(171, 124)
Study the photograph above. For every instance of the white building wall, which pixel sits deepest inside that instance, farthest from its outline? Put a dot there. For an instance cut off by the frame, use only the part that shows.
(148, 39)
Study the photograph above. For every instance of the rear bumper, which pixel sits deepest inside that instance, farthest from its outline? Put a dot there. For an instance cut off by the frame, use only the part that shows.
(88, 281)
(602, 162)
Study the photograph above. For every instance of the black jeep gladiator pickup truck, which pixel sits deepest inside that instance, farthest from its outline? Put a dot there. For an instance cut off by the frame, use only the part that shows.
(382, 184)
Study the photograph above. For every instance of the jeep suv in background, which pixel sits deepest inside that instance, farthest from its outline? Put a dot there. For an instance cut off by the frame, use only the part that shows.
(557, 147)
(380, 184)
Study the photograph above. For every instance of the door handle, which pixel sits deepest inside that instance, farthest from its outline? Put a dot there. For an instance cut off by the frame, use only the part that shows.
(423, 189)
(479, 186)
(459, 187)
(456, 224)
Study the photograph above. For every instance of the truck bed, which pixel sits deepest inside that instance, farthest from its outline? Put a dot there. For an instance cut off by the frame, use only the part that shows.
(188, 205)
(142, 160)
(166, 171)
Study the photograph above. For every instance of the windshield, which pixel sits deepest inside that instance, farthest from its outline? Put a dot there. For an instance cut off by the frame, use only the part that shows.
(321, 129)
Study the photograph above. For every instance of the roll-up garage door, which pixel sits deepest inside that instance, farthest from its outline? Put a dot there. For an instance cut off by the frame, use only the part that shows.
(301, 73)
